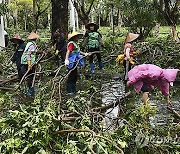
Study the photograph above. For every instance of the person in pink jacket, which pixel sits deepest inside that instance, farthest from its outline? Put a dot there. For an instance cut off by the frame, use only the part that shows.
(147, 76)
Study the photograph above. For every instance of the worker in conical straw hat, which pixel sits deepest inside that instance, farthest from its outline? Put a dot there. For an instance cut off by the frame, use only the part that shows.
(28, 60)
(33, 36)
(131, 37)
(93, 42)
(73, 56)
(19, 49)
(129, 53)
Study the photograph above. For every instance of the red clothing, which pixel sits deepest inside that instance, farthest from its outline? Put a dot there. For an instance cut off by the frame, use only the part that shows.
(70, 47)
(128, 45)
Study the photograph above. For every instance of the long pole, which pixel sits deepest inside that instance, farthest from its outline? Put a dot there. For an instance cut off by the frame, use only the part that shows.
(2, 40)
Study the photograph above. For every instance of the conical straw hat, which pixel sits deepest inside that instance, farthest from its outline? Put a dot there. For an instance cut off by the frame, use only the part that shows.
(131, 37)
(16, 37)
(94, 24)
(32, 36)
(70, 36)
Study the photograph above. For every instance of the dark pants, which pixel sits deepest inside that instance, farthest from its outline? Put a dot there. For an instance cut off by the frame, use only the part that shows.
(71, 81)
(127, 67)
(92, 56)
(24, 68)
(19, 70)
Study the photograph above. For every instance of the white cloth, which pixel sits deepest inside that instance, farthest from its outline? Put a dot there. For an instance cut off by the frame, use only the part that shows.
(128, 53)
(66, 62)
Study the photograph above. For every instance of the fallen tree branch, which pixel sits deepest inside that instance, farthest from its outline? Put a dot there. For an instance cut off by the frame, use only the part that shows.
(103, 108)
(174, 112)
(93, 136)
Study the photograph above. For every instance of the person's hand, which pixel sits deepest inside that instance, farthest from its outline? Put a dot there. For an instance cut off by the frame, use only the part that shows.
(56, 53)
(66, 62)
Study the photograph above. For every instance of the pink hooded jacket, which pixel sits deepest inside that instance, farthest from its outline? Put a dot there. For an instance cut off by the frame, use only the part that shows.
(152, 75)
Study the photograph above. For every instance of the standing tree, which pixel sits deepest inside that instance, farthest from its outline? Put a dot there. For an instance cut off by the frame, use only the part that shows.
(140, 19)
(39, 7)
(59, 15)
(169, 9)
(83, 9)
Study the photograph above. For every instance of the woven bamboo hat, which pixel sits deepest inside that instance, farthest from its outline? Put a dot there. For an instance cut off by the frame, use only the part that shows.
(16, 37)
(33, 36)
(96, 27)
(73, 34)
(131, 37)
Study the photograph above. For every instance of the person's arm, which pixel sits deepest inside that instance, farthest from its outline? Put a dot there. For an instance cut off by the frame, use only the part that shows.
(28, 56)
(70, 48)
(127, 53)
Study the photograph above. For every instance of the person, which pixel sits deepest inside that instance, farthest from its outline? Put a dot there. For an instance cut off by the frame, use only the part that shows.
(58, 44)
(147, 76)
(73, 56)
(129, 53)
(28, 60)
(19, 49)
(93, 41)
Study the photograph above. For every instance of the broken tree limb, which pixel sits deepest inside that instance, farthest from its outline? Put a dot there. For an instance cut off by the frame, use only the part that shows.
(103, 108)
(174, 112)
(6, 81)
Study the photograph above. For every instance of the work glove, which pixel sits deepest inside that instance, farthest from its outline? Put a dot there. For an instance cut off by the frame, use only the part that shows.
(131, 61)
(29, 65)
(66, 62)
(56, 53)
(120, 59)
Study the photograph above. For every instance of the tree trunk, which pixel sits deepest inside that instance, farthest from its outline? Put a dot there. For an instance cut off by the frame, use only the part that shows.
(59, 16)
(72, 15)
(77, 20)
(15, 14)
(119, 20)
(34, 15)
(174, 33)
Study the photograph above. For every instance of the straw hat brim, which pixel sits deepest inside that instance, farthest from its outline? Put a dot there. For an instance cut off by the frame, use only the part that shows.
(71, 36)
(131, 37)
(89, 24)
(12, 39)
(33, 36)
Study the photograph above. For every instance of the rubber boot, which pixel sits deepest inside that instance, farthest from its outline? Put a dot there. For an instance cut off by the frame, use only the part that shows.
(92, 68)
(101, 66)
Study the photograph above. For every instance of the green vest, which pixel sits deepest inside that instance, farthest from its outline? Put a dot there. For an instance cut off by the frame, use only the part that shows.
(93, 40)
(76, 47)
(33, 54)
